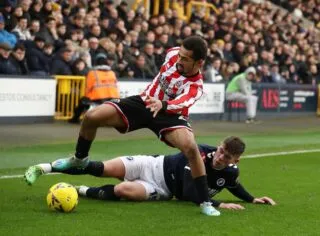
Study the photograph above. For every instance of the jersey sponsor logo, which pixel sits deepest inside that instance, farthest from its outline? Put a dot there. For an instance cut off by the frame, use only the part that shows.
(129, 158)
(212, 192)
(164, 85)
(221, 182)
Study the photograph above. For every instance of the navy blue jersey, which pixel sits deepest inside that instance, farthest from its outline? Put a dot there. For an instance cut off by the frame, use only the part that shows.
(179, 180)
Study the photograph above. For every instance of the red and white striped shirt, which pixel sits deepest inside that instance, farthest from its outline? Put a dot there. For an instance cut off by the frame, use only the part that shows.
(179, 91)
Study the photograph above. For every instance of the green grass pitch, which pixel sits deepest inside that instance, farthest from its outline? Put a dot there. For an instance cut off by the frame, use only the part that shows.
(291, 180)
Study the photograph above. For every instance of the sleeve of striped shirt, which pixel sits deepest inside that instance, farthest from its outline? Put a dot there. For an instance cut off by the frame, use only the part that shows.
(191, 94)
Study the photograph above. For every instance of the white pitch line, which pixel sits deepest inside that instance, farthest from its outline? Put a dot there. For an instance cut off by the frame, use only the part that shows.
(280, 153)
(247, 156)
(21, 176)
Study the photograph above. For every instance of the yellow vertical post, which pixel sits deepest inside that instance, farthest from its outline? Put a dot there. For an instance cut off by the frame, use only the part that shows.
(156, 6)
(166, 5)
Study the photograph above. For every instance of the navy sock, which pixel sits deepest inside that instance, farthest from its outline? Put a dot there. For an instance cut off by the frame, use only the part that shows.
(94, 168)
(105, 192)
(82, 148)
(202, 188)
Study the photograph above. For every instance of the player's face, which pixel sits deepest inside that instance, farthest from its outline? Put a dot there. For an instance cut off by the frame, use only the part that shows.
(222, 158)
(186, 65)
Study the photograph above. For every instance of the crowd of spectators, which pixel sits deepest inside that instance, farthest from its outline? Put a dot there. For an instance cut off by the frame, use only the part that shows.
(307, 8)
(67, 37)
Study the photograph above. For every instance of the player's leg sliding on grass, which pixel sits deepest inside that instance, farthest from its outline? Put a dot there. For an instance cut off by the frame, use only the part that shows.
(143, 175)
(159, 177)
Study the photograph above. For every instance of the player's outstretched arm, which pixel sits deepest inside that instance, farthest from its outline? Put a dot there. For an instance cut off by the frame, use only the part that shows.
(264, 200)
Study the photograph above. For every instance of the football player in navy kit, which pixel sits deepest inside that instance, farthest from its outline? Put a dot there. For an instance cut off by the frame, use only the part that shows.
(162, 177)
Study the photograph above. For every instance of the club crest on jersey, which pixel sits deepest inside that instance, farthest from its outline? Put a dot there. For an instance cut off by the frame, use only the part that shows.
(164, 85)
(221, 182)
(179, 83)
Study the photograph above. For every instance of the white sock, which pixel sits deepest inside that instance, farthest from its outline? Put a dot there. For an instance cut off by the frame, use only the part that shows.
(83, 190)
(46, 167)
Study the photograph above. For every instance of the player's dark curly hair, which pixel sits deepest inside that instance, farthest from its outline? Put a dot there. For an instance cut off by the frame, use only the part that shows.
(197, 45)
(234, 145)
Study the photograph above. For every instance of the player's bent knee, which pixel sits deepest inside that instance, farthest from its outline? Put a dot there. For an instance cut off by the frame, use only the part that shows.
(188, 145)
(100, 113)
(123, 190)
(91, 115)
(130, 191)
(119, 190)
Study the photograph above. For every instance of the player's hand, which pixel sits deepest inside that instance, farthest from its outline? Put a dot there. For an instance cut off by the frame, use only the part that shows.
(264, 200)
(155, 105)
(231, 206)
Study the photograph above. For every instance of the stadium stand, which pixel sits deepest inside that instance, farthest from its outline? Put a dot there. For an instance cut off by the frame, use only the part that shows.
(239, 33)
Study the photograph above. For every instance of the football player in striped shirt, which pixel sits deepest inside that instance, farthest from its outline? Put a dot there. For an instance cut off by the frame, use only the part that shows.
(163, 107)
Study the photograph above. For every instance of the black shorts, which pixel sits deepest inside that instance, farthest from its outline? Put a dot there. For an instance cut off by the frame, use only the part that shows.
(136, 116)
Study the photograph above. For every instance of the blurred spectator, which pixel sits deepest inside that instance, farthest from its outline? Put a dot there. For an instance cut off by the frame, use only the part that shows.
(79, 67)
(212, 73)
(95, 31)
(138, 69)
(12, 22)
(18, 60)
(62, 31)
(265, 73)
(61, 65)
(48, 50)
(227, 53)
(34, 28)
(5, 36)
(238, 51)
(6, 66)
(36, 59)
(315, 75)
(7, 11)
(101, 86)
(121, 65)
(35, 11)
(93, 48)
(49, 32)
(240, 90)
(275, 75)
(122, 10)
(25, 4)
(159, 55)
(150, 65)
(21, 30)
(304, 74)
